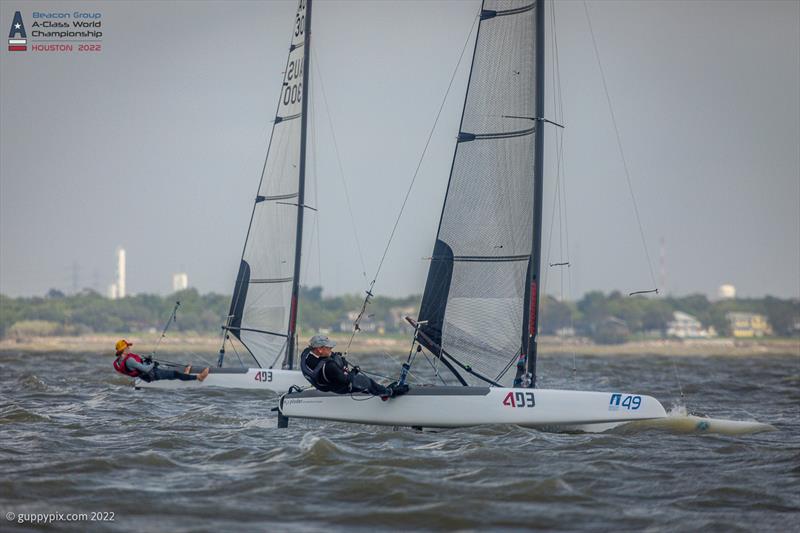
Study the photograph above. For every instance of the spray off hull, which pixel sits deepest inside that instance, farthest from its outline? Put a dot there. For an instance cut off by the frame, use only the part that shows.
(443, 407)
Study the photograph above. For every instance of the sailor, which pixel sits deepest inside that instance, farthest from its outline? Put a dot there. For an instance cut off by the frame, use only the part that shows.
(328, 371)
(135, 366)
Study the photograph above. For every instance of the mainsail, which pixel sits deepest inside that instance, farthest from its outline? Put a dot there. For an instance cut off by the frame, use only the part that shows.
(262, 310)
(477, 292)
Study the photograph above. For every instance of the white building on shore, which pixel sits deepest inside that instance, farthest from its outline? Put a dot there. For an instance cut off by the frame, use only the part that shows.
(685, 326)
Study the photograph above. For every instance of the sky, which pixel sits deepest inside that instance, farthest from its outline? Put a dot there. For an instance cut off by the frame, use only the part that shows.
(156, 143)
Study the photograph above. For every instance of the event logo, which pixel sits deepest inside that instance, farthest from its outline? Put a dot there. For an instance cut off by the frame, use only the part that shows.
(17, 38)
(57, 31)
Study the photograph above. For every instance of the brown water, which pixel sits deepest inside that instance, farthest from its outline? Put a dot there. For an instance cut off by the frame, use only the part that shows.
(75, 438)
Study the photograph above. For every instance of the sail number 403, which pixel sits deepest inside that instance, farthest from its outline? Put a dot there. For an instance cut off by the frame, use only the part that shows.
(264, 375)
(627, 402)
(519, 399)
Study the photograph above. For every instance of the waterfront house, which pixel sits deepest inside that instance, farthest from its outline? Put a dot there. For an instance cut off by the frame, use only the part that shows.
(745, 325)
(685, 326)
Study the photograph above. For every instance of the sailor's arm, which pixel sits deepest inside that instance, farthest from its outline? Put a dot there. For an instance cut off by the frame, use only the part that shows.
(143, 368)
(341, 360)
(334, 374)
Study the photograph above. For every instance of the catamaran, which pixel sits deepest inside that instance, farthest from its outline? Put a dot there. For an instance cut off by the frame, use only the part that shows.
(263, 311)
(479, 313)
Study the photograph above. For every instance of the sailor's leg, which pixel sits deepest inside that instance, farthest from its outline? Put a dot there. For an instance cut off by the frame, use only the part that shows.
(172, 374)
(361, 383)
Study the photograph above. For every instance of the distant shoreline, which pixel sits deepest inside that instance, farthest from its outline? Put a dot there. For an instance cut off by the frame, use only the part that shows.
(208, 344)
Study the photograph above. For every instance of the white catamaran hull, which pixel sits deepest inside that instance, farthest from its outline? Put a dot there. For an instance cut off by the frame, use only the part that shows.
(266, 379)
(472, 406)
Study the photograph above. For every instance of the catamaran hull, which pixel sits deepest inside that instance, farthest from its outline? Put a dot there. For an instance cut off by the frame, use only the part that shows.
(444, 407)
(271, 380)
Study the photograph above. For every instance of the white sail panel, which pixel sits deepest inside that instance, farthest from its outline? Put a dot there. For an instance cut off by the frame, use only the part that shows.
(260, 309)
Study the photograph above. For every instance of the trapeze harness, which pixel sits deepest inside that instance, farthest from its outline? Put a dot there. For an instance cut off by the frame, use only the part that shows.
(316, 376)
(120, 365)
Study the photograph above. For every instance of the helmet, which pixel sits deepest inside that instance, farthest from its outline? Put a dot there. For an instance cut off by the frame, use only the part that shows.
(122, 344)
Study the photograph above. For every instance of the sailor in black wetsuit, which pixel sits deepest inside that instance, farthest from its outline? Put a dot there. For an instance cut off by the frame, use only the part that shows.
(330, 372)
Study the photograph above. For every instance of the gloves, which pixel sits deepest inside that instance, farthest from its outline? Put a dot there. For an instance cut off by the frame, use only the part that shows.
(397, 390)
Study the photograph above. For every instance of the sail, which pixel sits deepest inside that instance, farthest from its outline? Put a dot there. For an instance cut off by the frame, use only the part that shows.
(474, 299)
(261, 304)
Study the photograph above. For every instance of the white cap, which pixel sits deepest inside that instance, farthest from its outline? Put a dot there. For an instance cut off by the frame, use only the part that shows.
(318, 341)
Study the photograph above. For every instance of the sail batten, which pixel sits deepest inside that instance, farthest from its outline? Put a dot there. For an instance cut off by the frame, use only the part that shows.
(290, 117)
(466, 137)
(482, 258)
(491, 13)
(475, 295)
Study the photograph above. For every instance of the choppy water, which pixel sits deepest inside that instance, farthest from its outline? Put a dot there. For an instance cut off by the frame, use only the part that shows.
(75, 438)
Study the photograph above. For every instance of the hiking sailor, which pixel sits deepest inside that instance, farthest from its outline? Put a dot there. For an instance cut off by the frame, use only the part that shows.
(328, 371)
(135, 366)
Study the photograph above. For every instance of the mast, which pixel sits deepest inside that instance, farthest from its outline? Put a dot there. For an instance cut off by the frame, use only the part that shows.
(290, 346)
(531, 308)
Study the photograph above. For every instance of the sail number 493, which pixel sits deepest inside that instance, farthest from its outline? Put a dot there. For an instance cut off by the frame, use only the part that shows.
(264, 375)
(627, 402)
(519, 399)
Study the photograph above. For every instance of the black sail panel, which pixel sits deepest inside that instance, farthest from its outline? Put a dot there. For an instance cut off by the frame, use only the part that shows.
(475, 294)
(435, 298)
(239, 297)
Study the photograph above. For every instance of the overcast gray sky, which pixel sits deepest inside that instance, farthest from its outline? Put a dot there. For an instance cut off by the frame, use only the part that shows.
(156, 143)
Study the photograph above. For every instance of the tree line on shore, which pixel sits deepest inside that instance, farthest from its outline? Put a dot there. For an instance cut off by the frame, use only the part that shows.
(596, 315)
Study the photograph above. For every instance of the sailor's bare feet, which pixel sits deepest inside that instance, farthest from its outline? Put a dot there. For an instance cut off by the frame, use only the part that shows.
(188, 369)
(203, 375)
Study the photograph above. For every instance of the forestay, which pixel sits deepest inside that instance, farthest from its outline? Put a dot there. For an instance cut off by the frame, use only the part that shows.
(261, 305)
(475, 294)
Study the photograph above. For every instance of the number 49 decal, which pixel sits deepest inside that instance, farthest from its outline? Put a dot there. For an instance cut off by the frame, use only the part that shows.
(628, 402)
(519, 399)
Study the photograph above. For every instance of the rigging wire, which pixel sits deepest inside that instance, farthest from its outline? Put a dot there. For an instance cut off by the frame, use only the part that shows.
(173, 317)
(315, 228)
(563, 181)
(316, 190)
(619, 146)
(310, 241)
(560, 192)
(425, 149)
(506, 368)
(280, 354)
(241, 363)
(339, 162)
(678, 379)
(369, 292)
(435, 368)
(627, 178)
